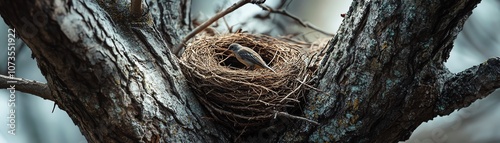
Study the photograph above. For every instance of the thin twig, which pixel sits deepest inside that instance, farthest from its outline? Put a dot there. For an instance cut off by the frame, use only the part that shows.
(301, 22)
(312, 87)
(229, 28)
(177, 50)
(284, 114)
(271, 104)
(25, 85)
(298, 87)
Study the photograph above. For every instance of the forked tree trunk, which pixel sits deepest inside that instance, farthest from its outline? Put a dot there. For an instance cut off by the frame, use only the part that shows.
(382, 76)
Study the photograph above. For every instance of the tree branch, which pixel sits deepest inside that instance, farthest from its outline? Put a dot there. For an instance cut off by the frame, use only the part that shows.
(177, 50)
(467, 86)
(25, 85)
(287, 14)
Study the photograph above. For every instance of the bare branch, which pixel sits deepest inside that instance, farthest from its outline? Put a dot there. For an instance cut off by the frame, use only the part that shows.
(177, 50)
(25, 85)
(301, 22)
(467, 86)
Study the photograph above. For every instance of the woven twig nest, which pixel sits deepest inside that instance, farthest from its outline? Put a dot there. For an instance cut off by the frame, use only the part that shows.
(243, 97)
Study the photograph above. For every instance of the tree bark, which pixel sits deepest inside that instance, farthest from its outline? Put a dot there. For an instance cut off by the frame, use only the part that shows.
(115, 85)
(382, 76)
(384, 72)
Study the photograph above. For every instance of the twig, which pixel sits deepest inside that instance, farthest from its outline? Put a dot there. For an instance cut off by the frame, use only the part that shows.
(229, 28)
(207, 23)
(271, 104)
(312, 87)
(294, 90)
(238, 137)
(284, 114)
(25, 85)
(301, 22)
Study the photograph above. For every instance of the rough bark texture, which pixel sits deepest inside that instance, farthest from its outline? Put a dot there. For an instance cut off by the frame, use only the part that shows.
(116, 86)
(383, 74)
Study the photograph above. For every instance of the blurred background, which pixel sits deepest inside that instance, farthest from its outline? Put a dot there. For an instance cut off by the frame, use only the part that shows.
(479, 41)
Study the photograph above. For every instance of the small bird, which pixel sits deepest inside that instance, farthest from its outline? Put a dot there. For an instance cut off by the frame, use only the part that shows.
(248, 56)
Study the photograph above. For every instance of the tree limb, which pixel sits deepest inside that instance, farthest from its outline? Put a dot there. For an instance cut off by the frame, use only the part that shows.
(25, 85)
(301, 22)
(465, 87)
(177, 50)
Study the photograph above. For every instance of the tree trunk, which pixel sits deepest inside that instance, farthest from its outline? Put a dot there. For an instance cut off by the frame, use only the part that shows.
(117, 81)
(384, 72)
(382, 75)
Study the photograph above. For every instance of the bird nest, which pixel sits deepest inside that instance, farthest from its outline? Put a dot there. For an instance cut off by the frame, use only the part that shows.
(241, 97)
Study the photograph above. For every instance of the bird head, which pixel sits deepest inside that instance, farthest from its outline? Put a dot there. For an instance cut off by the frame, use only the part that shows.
(234, 47)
